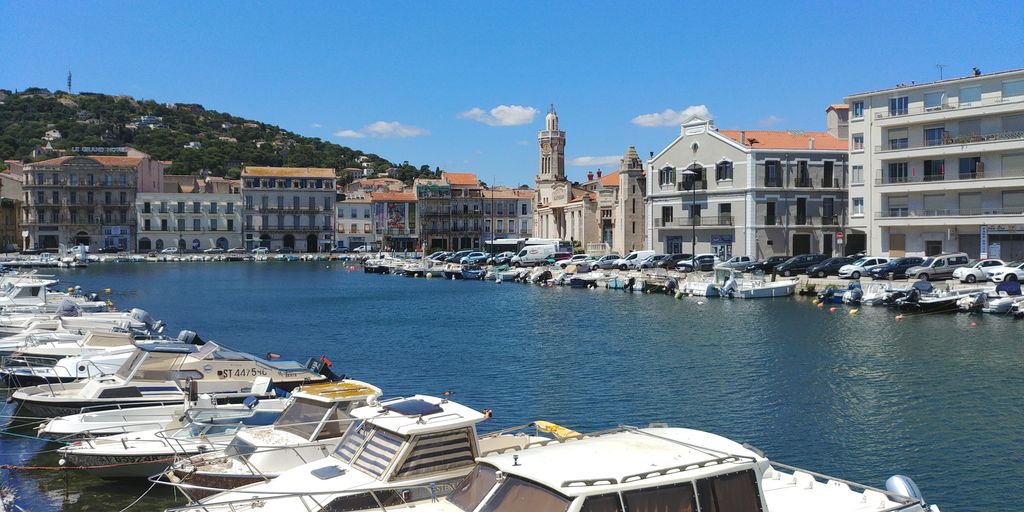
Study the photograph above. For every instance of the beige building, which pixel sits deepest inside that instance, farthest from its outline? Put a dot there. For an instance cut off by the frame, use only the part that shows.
(87, 200)
(748, 192)
(191, 222)
(288, 208)
(602, 215)
(355, 222)
(11, 208)
(939, 167)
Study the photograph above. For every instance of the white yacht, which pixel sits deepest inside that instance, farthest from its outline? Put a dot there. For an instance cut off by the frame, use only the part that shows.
(308, 430)
(411, 449)
(71, 318)
(630, 470)
(163, 373)
(143, 453)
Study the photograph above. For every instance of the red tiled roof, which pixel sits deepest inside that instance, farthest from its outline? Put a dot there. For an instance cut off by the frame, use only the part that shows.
(610, 179)
(461, 178)
(393, 196)
(289, 172)
(838, 106)
(780, 139)
(106, 161)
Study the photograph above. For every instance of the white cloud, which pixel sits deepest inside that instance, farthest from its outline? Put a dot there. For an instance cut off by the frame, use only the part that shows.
(523, 142)
(384, 130)
(502, 115)
(669, 117)
(316, 125)
(593, 161)
(770, 121)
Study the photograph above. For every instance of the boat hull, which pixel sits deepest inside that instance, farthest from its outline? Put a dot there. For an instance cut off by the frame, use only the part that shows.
(219, 481)
(119, 466)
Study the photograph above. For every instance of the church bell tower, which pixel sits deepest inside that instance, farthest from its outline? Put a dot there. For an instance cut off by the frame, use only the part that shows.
(552, 149)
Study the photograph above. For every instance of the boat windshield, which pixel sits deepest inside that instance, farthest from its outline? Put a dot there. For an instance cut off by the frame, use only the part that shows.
(239, 447)
(513, 494)
(6, 290)
(369, 448)
(303, 416)
(128, 366)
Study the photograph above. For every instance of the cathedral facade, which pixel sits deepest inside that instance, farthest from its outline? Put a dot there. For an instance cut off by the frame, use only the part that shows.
(604, 214)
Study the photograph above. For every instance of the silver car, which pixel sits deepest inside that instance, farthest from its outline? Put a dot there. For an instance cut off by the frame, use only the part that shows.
(607, 261)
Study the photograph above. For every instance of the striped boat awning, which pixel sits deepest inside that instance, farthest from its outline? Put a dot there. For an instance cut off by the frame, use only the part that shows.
(438, 452)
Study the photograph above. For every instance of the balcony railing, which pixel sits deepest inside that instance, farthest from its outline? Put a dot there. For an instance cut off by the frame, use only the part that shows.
(684, 185)
(949, 140)
(802, 182)
(944, 107)
(700, 220)
(773, 182)
(289, 229)
(885, 178)
(896, 213)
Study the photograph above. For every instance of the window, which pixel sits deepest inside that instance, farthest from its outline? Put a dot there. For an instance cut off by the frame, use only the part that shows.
(970, 95)
(474, 488)
(1013, 123)
(735, 492)
(969, 128)
(769, 216)
(723, 171)
(230, 207)
(858, 141)
(443, 451)
(355, 213)
(302, 417)
(667, 176)
(934, 100)
(898, 173)
(666, 214)
(1013, 90)
(145, 223)
(523, 212)
(368, 449)
(163, 224)
(181, 205)
(327, 203)
(515, 494)
(280, 202)
(934, 136)
(231, 223)
(181, 224)
(122, 180)
(605, 503)
(74, 179)
(669, 498)
(197, 207)
(772, 178)
(195, 225)
(312, 203)
(898, 138)
(124, 197)
(1013, 202)
(898, 206)
(898, 106)
(858, 207)
(213, 206)
(213, 224)
(106, 198)
(56, 197)
(858, 110)
(934, 170)
(803, 174)
(969, 167)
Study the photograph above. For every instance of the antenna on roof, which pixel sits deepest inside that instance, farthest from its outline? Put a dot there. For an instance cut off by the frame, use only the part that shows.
(940, 66)
(69, 81)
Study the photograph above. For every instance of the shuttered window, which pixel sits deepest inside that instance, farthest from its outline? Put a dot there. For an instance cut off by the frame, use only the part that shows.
(438, 452)
(1013, 123)
(378, 452)
(1013, 199)
(970, 94)
(970, 201)
(935, 201)
(1013, 165)
(1013, 89)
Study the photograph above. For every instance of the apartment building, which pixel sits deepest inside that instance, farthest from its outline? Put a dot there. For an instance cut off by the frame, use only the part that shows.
(748, 192)
(288, 208)
(434, 201)
(394, 220)
(355, 222)
(467, 210)
(189, 222)
(939, 167)
(507, 213)
(87, 200)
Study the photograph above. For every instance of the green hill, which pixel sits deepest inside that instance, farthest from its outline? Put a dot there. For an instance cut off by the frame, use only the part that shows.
(226, 142)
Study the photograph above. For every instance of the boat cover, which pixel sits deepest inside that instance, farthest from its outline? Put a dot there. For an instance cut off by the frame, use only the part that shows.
(1011, 288)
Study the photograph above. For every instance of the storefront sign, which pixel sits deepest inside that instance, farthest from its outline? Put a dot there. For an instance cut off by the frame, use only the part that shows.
(983, 236)
(721, 239)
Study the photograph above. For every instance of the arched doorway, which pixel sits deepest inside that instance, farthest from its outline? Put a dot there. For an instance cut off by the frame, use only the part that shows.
(311, 245)
(181, 245)
(159, 244)
(289, 241)
(145, 245)
(222, 243)
(81, 238)
(265, 241)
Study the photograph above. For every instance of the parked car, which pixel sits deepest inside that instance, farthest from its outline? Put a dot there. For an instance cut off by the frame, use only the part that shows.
(861, 266)
(768, 264)
(1009, 272)
(941, 266)
(110, 250)
(701, 262)
(534, 255)
(214, 250)
(260, 250)
(364, 248)
(829, 267)
(670, 260)
(897, 268)
(799, 264)
(170, 250)
(339, 249)
(737, 262)
(976, 270)
(284, 250)
(475, 258)
(502, 258)
(632, 260)
(652, 260)
(607, 261)
(576, 259)
(456, 257)
(560, 256)
(439, 256)
(236, 250)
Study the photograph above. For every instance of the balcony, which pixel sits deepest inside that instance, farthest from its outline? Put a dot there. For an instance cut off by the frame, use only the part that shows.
(286, 229)
(804, 182)
(685, 185)
(900, 213)
(948, 140)
(885, 178)
(946, 106)
(773, 182)
(699, 220)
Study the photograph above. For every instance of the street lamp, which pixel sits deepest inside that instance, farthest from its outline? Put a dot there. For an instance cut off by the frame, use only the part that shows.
(691, 177)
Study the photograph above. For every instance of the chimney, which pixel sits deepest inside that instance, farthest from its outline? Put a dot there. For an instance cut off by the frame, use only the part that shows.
(810, 143)
(599, 173)
(590, 176)
(743, 137)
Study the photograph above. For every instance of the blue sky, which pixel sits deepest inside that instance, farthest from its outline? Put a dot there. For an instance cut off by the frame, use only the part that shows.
(453, 84)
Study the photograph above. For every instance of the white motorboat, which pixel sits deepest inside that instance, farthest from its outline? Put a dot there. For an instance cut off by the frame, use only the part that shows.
(412, 448)
(114, 419)
(737, 286)
(651, 469)
(73, 319)
(309, 429)
(999, 301)
(143, 453)
(163, 373)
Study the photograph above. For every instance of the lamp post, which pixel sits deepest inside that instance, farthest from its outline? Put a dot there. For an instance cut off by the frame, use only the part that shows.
(691, 177)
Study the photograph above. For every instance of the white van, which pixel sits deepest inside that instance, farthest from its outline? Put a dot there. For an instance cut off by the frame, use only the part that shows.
(533, 254)
(633, 259)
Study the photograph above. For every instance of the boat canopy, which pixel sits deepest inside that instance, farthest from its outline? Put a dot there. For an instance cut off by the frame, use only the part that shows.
(1011, 288)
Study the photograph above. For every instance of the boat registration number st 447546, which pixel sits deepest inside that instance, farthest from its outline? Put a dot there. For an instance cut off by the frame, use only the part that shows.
(242, 372)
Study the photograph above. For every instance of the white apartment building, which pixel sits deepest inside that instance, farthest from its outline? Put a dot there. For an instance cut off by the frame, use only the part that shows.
(190, 222)
(939, 167)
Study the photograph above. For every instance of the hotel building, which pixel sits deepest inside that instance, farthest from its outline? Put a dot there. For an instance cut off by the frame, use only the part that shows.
(289, 208)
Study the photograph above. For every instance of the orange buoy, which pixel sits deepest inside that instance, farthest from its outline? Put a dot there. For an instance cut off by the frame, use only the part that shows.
(821, 305)
(974, 324)
(899, 317)
(832, 309)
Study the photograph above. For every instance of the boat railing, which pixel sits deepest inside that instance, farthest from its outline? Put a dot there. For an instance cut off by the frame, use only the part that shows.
(903, 502)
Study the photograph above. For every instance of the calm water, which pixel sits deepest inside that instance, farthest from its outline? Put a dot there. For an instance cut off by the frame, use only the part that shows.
(860, 397)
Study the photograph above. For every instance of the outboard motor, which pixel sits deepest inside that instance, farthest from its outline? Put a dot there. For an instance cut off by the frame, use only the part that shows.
(670, 286)
(68, 308)
(143, 316)
(904, 486)
(190, 337)
(323, 367)
(630, 284)
(826, 294)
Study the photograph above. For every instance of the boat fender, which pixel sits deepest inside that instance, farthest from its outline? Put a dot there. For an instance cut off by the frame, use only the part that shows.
(251, 402)
(488, 414)
(903, 486)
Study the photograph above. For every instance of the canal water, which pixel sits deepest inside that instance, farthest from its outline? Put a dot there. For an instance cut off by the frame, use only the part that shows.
(860, 397)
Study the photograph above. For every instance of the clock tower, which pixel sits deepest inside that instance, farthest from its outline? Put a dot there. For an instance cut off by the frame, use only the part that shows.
(552, 150)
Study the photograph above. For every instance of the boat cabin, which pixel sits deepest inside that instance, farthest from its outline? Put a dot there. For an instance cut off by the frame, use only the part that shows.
(23, 293)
